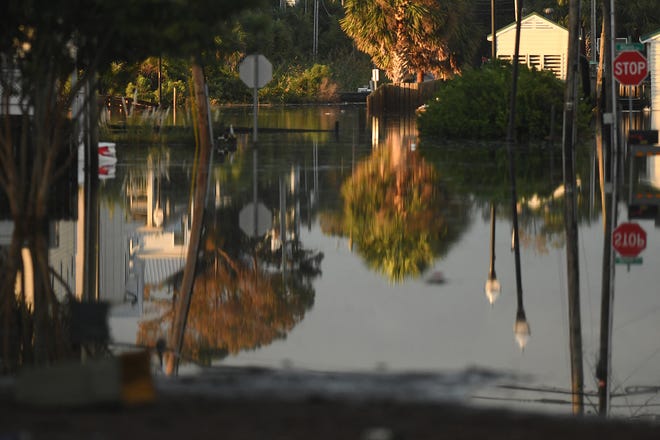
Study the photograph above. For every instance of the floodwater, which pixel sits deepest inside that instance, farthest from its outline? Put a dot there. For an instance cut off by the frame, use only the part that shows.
(346, 244)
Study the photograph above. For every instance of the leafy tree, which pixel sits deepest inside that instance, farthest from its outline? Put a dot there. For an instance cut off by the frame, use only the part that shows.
(464, 108)
(297, 85)
(411, 36)
(637, 18)
(41, 44)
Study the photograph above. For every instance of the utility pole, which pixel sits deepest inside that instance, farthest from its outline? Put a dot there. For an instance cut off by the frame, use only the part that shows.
(569, 136)
(610, 155)
(493, 28)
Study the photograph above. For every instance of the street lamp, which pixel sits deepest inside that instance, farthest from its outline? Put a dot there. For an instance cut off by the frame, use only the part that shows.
(492, 287)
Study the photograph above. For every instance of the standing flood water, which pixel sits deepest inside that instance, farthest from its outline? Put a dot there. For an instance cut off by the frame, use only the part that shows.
(346, 244)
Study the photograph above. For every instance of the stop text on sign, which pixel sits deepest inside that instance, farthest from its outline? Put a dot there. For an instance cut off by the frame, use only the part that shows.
(629, 239)
(630, 68)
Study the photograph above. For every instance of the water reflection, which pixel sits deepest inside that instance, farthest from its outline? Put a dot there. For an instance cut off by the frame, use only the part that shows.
(400, 210)
(396, 209)
(492, 287)
(235, 306)
(358, 222)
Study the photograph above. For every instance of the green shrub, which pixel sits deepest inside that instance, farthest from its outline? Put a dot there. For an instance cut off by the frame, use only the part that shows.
(476, 105)
(300, 85)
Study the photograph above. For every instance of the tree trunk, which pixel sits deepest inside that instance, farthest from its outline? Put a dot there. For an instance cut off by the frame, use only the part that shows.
(182, 305)
(43, 306)
(11, 331)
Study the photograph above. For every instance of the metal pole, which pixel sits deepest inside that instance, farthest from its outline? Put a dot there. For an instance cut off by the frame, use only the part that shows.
(630, 118)
(254, 189)
(315, 44)
(283, 224)
(255, 98)
(593, 31)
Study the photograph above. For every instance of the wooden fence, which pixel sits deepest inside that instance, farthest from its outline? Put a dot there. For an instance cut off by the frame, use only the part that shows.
(401, 98)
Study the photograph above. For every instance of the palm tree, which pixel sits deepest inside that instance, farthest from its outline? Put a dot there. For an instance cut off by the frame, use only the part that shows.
(409, 36)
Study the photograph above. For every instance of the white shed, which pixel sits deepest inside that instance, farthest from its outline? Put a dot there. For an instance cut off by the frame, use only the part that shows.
(543, 44)
(652, 42)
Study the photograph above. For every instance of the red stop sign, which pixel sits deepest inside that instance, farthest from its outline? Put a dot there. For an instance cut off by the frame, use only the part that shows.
(629, 239)
(630, 68)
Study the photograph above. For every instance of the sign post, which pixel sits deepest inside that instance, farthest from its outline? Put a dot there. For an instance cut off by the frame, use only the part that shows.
(255, 71)
(630, 68)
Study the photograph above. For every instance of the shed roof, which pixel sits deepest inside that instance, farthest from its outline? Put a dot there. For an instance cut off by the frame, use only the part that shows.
(650, 37)
(530, 21)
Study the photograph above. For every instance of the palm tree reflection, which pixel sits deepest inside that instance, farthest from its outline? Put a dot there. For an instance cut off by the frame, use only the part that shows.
(395, 210)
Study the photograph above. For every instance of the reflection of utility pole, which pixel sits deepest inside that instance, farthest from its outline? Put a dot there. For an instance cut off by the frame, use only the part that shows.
(570, 204)
(316, 171)
(520, 327)
(254, 189)
(283, 224)
(610, 133)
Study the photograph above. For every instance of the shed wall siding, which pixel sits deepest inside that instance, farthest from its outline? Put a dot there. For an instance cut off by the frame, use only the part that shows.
(542, 45)
(653, 57)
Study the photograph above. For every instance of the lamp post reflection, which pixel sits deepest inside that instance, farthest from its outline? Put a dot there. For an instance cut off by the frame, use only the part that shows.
(521, 327)
(492, 287)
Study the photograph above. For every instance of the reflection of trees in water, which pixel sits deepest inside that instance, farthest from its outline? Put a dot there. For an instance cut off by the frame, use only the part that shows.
(240, 303)
(396, 213)
(540, 229)
(480, 172)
